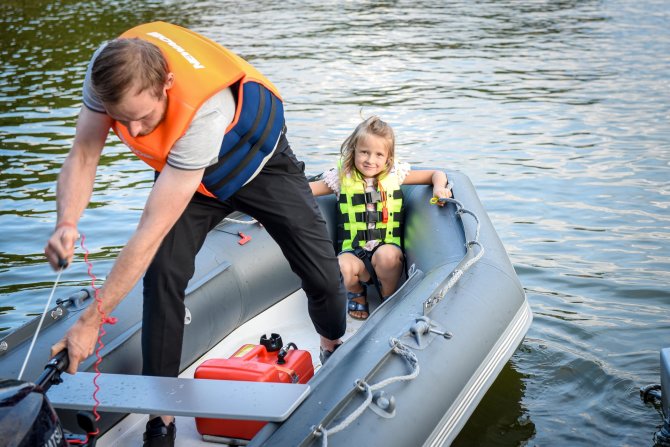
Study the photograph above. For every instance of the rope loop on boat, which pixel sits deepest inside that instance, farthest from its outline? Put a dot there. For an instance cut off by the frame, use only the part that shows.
(360, 385)
(403, 351)
(398, 348)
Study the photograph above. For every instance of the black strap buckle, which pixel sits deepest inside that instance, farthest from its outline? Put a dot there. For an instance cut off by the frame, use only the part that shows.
(368, 217)
(373, 197)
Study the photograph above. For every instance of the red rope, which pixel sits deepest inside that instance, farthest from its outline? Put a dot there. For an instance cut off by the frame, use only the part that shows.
(105, 320)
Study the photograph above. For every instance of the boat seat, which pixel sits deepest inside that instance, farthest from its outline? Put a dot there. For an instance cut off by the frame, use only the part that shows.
(120, 393)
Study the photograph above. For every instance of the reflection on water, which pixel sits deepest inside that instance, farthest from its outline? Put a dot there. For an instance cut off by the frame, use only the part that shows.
(489, 426)
(557, 110)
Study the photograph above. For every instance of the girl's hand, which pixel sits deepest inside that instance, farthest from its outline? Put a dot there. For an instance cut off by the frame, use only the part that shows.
(441, 192)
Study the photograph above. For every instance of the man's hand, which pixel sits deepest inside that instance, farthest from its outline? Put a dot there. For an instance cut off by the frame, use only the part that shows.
(80, 340)
(60, 247)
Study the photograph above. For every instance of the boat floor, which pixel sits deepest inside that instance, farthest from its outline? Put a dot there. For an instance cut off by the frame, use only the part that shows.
(288, 318)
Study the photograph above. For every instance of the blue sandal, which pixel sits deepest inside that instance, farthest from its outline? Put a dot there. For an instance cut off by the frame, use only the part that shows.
(355, 306)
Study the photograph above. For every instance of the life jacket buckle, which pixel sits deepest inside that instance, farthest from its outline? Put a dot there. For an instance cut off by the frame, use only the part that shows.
(373, 197)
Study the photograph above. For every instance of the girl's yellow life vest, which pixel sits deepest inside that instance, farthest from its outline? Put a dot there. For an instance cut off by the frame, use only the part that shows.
(353, 217)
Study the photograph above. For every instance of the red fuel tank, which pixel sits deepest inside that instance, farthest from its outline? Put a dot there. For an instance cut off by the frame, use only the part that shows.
(256, 363)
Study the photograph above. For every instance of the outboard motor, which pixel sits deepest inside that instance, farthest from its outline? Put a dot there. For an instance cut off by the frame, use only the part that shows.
(27, 418)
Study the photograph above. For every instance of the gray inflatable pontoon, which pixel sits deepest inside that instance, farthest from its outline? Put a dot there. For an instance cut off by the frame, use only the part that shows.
(411, 374)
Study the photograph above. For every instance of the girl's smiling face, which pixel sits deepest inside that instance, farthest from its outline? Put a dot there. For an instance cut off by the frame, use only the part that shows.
(371, 155)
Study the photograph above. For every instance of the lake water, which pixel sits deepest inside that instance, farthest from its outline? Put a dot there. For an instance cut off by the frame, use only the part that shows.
(559, 111)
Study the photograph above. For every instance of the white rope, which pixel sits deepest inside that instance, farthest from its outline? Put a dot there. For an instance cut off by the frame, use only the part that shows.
(245, 222)
(323, 432)
(403, 351)
(39, 326)
(398, 348)
(457, 273)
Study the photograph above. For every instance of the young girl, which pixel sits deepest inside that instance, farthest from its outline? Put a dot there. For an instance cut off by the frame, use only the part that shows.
(367, 182)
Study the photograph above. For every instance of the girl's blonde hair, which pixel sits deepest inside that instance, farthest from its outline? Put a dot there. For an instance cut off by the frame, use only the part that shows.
(370, 126)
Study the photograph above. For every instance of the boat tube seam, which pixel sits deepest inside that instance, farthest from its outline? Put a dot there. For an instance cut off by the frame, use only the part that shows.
(213, 273)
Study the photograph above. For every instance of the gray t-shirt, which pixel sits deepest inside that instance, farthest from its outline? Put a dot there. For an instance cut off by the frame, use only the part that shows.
(199, 146)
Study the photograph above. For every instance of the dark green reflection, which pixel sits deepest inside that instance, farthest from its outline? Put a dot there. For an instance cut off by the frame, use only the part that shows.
(500, 419)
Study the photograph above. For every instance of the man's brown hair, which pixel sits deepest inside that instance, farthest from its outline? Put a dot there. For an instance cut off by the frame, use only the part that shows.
(126, 64)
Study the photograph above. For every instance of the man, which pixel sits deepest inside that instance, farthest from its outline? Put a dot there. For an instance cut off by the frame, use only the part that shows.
(171, 95)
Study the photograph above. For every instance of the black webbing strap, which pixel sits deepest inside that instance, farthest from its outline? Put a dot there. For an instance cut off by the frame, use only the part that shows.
(368, 197)
(254, 149)
(366, 257)
(363, 217)
(375, 234)
(369, 216)
(242, 141)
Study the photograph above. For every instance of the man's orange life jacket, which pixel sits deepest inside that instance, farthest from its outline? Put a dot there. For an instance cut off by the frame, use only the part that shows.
(202, 68)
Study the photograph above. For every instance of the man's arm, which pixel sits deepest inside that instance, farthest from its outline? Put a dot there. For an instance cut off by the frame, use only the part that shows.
(75, 183)
(173, 190)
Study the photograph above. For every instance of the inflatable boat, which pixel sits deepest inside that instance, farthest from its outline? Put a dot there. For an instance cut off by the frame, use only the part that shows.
(411, 374)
